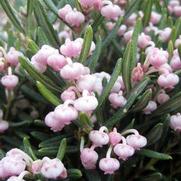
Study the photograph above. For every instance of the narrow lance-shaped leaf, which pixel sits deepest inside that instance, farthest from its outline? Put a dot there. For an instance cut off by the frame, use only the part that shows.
(43, 21)
(112, 34)
(25, 63)
(62, 149)
(179, 51)
(171, 105)
(126, 71)
(132, 7)
(32, 46)
(154, 154)
(11, 14)
(85, 123)
(143, 101)
(28, 148)
(48, 94)
(52, 6)
(74, 173)
(170, 48)
(155, 134)
(131, 98)
(88, 37)
(95, 56)
(110, 84)
(147, 12)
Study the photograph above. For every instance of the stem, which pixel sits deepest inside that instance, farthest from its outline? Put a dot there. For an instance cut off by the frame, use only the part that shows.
(134, 131)
(82, 142)
(103, 128)
(108, 154)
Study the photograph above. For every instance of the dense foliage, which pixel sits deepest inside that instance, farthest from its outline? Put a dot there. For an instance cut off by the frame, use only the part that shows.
(90, 90)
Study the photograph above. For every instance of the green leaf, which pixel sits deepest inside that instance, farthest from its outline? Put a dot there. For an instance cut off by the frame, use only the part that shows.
(46, 26)
(52, 98)
(88, 37)
(155, 176)
(52, 141)
(85, 123)
(29, 7)
(95, 56)
(62, 149)
(2, 154)
(170, 48)
(110, 84)
(147, 12)
(74, 173)
(51, 6)
(143, 101)
(131, 98)
(32, 46)
(28, 149)
(132, 7)
(112, 34)
(155, 134)
(41, 38)
(170, 106)
(129, 57)
(179, 51)
(10, 12)
(126, 66)
(97, 22)
(26, 64)
(154, 154)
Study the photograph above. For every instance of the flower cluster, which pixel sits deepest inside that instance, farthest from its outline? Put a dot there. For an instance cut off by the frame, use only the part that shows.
(16, 164)
(123, 147)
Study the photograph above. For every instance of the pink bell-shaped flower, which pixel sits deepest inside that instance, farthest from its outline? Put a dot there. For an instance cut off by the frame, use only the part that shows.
(99, 137)
(86, 103)
(53, 168)
(123, 150)
(168, 80)
(9, 81)
(136, 141)
(151, 106)
(56, 61)
(89, 158)
(109, 165)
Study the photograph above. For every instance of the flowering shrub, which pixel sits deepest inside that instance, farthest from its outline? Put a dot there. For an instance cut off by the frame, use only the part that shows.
(90, 90)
